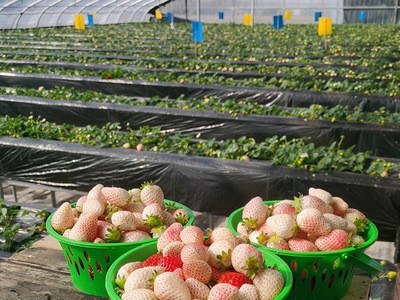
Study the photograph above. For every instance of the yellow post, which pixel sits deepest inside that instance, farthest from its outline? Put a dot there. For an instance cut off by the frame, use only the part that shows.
(79, 22)
(329, 26)
(158, 14)
(248, 19)
(287, 15)
(322, 26)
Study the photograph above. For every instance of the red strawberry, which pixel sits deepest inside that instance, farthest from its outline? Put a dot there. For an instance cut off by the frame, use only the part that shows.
(223, 291)
(235, 278)
(181, 215)
(255, 212)
(336, 240)
(108, 232)
(85, 229)
(339, 206)
(216, 274)
(152, 193)
(194, 251)
(124, 220)
(63, 218)
(247, 259)
(134, 236)
(197, 269)
(198, 290)
(302, 245)
(192, 234)
(171, 262)
(116, 196)
(269, 283)
(171, 234)
(170, 286)
(313, 222)
(153, 260)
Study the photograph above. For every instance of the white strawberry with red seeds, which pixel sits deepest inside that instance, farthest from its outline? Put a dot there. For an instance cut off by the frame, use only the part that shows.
(255, 212)
(63, 218)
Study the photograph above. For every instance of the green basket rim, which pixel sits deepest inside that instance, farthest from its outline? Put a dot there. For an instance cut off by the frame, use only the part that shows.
(92, 245)
(371, 228)
(277, 262)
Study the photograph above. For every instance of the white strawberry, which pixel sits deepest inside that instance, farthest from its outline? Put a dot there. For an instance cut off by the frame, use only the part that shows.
(255, 212)
(142, 278)
(181, 215)
(313, 222)
(95, 194)
(336, 222)
(301, 245)
(116, 196)
(269, 283)
(192, 234)
(339, 206)
(194, 251)
(284, 207)
(198, 290)
(247, 259)
(310, 201)
(223, 291)
(170, 286)
(258, 237)
(134, 236)
(321, 194)
(220, 254)
(277, 242)
(135, 194)
(282, 225)
(152, 193)
(136, 206)
(153, 215)
(124, 271)
(242, 229)
(79, 202)
(63, 218)
(197, 269)
(85, 229)
(335, 240)
(171, 234)
(139, 294)
(93, 207)
(173, 248)
(248, 292)
(222, 233)
(124, 220)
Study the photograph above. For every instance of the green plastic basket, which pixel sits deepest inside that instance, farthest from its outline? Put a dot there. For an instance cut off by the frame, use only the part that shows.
(322, 275)
(89, 262)
(144, 251)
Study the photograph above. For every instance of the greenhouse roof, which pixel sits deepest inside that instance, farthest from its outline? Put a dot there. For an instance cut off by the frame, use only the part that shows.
(50, 13)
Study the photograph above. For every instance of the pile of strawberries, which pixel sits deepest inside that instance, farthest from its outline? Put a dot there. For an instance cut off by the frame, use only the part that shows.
(113, 214)
(188, 266)
(315, 222)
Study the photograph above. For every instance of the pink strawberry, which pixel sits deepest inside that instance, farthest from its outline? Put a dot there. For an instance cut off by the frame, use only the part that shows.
(168, 218)
(63, 218)
(222, 233)
(247, 259)
(142, 278)
(116, 196)
(223, 291)
(242, 229)
(357, 217)
(336, 240)
(315, 202)
(140, 223)
(139, 294)
(301, 245)
(255, 212)
(313, 222)
(179, 271)
(336, 221)
(170, 286)
(171, 234)
(282, 225)
(173, 248)
(248, 292)
(153, 215)
(284, 207)
(124, 271)
(171, 262)
(235, 278)
(124, 220)
(181, 215)
(194, 251)
(192, 234)
(197, 269)
(134, 236)
(221, 254)
(277, 242)
(152, 193)
(108, 232)
(269, 283)
(134, 207)
(339, 206)
(79, 202)
(321, 194)
(85, 229)
(198, 290)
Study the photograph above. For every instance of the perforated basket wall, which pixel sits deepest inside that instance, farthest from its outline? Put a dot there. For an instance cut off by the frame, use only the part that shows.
(320, 275)
(89, 262)
(144, 251)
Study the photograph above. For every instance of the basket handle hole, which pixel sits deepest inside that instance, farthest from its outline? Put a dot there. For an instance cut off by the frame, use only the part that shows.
(323, 275)
(341, 272)
(293, 265)
(316, 266)
(70, 251)
(91, 273)
(81, 263)
(87, 257)
(313, 282)
(345, 276)
(106, 257)
(98, 267)
(77, 268)
(304, 275)
(331, 280)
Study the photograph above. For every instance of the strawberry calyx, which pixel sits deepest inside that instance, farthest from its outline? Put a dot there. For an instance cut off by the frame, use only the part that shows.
(252, 267)
(171, 207)
(156, 231)
(120, 282)
(297, 204)
(250, 224)
(181, 218)
(154, 221)
(109, 211)
(113, 235)
(224, 259)
(262, 238)
(361, 224)
(147, 183)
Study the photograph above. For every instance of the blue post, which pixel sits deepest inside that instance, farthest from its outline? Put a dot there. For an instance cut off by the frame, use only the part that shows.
(90, 20)
(170, 17)
(280, 21)
(197, 31)
(220, 15)
(317, 15)
(362, 16)
(276, 22)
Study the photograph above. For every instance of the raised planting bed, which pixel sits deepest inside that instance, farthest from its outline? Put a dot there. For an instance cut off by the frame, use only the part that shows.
(381, 140)
(203, 184)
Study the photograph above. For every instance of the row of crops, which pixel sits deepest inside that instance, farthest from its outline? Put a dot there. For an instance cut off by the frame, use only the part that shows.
(261, 111)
